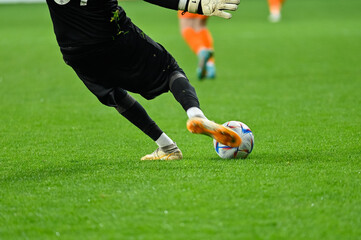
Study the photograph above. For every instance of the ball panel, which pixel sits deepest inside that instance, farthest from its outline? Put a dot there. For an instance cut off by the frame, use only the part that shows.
(244, 149)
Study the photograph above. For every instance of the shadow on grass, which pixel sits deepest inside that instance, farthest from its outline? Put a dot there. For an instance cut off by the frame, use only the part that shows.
(274, 157)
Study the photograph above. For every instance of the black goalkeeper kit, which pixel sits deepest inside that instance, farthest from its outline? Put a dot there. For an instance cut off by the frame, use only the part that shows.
(108, 52)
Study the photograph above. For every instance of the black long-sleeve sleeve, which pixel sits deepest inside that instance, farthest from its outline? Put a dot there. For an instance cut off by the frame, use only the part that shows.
(171, 4)
(175, 4)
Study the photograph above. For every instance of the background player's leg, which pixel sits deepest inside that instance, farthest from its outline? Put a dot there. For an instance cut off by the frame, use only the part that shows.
(190, 36)
(207, 39)
(194, 30)
(275, 10)
(206, 54)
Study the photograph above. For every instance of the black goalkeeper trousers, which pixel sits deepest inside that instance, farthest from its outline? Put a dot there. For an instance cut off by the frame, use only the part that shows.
(131, 62)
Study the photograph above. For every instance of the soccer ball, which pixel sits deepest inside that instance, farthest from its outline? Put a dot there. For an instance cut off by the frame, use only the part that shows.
(241, 151)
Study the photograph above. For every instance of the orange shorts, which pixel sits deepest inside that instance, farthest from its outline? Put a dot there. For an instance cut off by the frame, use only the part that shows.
(191, 15)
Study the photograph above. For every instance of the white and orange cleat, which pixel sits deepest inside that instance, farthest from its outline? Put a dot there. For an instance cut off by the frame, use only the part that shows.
(171, 152)
(220, 133)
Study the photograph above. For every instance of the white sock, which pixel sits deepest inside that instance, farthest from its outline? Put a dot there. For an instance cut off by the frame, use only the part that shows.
(164, 140)
(195, 112)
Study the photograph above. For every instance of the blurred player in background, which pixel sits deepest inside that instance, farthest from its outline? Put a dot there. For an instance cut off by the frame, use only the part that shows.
(275, 7)
(194, 30)
(112, 56)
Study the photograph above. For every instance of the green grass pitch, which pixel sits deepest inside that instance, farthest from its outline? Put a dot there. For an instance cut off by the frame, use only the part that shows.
(70, 168)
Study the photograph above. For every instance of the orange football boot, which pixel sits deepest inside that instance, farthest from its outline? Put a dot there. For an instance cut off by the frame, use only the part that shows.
(220, 133)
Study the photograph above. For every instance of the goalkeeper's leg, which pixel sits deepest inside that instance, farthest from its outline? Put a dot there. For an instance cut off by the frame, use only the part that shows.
(136, 114)
(197, 123)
